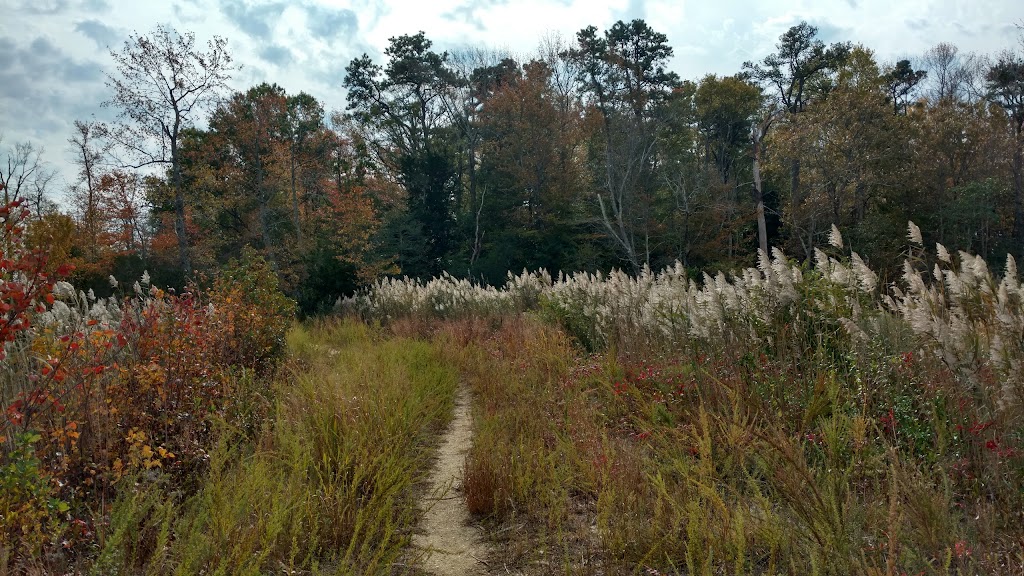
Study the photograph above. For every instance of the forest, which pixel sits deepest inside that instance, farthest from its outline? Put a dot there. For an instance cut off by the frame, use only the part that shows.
(586, 155)
(768, 323)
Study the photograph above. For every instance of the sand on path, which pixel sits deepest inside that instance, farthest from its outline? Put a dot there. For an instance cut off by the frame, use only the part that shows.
(450, 545)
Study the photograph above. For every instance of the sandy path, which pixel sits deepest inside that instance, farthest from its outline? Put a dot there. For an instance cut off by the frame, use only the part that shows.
(449, 544)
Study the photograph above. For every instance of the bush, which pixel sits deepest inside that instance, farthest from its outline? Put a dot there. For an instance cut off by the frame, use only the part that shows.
(96, 390)
(252, 314)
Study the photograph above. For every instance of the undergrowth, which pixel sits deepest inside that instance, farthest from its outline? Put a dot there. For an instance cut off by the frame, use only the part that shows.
(324, 488)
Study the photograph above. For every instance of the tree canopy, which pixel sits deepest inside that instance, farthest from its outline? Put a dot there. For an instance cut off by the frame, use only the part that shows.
(586, 155)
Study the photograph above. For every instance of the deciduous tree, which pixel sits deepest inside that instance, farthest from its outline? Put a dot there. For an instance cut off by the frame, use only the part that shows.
(163, 83)
(24, 175)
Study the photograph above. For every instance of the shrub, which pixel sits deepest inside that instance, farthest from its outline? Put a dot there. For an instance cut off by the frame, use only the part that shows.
(252, 314)
(94, 390)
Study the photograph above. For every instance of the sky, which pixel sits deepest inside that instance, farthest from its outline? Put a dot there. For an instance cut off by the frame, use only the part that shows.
(55, 54)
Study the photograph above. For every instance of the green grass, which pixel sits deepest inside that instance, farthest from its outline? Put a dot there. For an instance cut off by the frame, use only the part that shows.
(325, 487)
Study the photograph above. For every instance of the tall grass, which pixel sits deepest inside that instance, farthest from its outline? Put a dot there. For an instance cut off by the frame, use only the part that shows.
(524, 471)
(324, 488)
(785, 419)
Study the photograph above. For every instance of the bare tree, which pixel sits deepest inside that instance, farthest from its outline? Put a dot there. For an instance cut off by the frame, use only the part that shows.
(38, 193)
(89, 156)
(564, 72)
(953, 76)
(24, 175)
(758, 129)
(162, 83)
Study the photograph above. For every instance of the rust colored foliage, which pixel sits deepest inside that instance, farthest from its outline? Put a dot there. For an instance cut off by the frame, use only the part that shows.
(93, 391)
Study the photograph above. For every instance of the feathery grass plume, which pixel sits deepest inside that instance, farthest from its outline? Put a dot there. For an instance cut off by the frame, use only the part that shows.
(835, 238)
(64, 289)
(855, 331)
(955, 314)
(866, 278)
(914, 233)
(943, 254)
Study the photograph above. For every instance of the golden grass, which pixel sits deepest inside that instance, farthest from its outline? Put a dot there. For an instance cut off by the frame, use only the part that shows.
(326, 487)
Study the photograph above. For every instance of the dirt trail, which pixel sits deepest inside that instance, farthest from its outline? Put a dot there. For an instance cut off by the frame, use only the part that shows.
(449, 544)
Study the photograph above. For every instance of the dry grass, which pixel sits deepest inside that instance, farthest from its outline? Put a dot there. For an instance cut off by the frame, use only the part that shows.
(728, 462)
(326, 488)
(802, 423)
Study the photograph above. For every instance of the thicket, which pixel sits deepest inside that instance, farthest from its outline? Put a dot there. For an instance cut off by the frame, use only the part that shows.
(102, 395)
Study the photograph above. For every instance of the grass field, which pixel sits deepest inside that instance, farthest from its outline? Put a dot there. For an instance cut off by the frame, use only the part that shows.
(785, 420)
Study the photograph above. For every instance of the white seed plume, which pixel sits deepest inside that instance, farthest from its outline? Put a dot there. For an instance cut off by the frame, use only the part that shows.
(835, 238)
(914, 233)
(63, 289)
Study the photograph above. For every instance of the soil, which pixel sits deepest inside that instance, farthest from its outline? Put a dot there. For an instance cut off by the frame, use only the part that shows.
(449, 543)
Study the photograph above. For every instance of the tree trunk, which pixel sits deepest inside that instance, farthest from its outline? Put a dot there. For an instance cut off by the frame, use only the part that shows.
(1018, 192)
(616, 195)
(261, 194)
(90, 209)
(179, 211)
(617, 229)
(295, 205)
(265, 230)
(795, 201)
(794, 187)
(478, 233)
(762, 226)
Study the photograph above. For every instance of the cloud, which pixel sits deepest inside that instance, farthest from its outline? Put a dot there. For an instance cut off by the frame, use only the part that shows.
(275, 54)
(329, 23)
(33, 101)
(917, 23)
(44, 7)
(189, 12)
(96, 5)
(256, 20)
(467, 14)
(104, 36)
(830, 33)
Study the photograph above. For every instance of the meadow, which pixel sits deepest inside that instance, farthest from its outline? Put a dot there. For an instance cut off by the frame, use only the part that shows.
(830, 414)
(784, 419)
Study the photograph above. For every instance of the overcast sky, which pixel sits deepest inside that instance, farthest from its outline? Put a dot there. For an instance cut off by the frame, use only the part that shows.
(54, 53)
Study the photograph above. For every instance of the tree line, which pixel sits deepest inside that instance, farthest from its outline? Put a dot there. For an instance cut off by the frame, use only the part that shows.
(586, 155)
